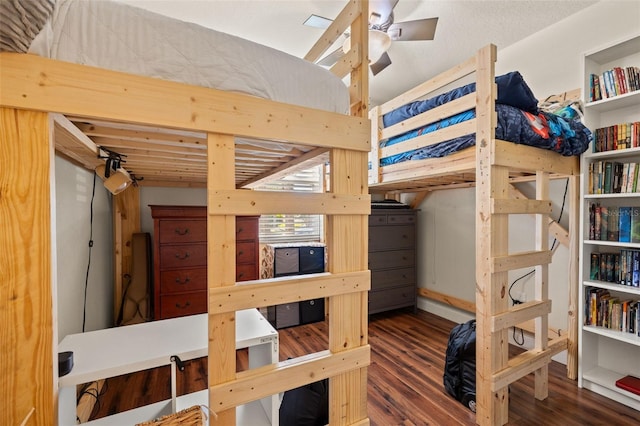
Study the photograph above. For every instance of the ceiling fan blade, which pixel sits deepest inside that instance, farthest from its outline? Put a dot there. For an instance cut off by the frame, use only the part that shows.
(382, 63)
(379, 11)
(331, 58)
(420, 29)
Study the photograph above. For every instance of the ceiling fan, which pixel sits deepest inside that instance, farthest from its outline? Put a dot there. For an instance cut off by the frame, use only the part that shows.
(382, 31)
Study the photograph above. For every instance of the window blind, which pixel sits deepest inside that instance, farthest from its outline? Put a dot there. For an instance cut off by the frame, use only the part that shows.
(291, 228)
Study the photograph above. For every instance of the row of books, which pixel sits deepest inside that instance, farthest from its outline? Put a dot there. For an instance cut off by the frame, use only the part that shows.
(617, 136)
(613, 223)
(605, 310)
(613, 177)
(613, 82)
(620, 268)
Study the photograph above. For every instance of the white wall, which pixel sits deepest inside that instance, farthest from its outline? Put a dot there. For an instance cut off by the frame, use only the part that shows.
(74, 186)
(551, 62)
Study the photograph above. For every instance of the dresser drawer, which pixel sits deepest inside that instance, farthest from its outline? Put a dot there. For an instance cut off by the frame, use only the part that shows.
(391, 237)
(179, 256)
(246, 252)
(178, 305)
(392, 278)
(182, 231)
(377, 219)
(392, 298)
(246, 272)
(391, 259)
(246, 228)
(182, 280)
(401, 218)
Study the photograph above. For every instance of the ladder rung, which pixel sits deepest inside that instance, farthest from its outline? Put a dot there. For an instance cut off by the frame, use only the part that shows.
(520, 313)
(527, 362)
(513, 206)
(521, 260)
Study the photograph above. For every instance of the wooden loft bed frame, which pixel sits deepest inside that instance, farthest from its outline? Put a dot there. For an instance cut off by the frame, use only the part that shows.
(491, 166)
(39, 101)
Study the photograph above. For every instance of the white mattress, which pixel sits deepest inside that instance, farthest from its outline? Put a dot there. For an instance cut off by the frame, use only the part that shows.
(124, 38)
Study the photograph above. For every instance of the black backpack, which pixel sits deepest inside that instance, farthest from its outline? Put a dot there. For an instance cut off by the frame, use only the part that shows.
(306, 406)
(460, 364)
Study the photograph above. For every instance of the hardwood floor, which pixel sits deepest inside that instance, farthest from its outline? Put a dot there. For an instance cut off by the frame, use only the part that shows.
(405, 380)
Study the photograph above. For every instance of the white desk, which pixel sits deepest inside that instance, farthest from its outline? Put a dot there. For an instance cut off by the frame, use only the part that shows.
(120, 350)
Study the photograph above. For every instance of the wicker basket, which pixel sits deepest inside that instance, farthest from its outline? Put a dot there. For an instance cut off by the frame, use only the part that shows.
(191, 416)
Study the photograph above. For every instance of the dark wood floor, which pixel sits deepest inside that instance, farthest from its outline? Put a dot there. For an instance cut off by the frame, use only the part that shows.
(405, 380)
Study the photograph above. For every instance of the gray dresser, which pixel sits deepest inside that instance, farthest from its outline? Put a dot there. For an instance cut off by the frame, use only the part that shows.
(392, 259)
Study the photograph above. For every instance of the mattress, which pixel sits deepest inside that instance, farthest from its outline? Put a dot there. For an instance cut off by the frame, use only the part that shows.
(120, 37)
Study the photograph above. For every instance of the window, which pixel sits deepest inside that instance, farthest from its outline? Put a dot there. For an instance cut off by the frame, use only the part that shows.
(289, 228)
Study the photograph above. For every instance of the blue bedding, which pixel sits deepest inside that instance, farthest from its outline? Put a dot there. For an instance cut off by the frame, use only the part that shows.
(543, 130)
(512, 90)
(519, 121)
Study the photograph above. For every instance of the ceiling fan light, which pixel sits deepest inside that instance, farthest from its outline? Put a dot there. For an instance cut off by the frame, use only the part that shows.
(379, 43)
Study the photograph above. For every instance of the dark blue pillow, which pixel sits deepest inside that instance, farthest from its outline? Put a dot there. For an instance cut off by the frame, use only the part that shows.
(512, 90)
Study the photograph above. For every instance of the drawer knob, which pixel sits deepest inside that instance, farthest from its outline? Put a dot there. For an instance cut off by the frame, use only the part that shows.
(182, 282)
(186, 255)
(186, 305)
(184, 231)
(240, 253)
(239, 230)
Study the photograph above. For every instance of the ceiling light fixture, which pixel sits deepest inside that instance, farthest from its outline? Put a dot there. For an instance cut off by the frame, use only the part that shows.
(379, 43)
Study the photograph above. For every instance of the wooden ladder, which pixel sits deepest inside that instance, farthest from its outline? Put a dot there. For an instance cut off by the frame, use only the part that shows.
(494, 369)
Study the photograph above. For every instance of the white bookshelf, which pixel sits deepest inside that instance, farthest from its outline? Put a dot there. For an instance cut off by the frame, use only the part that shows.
(606, 355)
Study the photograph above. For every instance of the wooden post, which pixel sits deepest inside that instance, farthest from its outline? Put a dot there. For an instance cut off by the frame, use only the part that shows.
(348, 251)
(221, 271)
(492, 347)
(574, 281)
(126, 222)
(28, 383)
(542, 286)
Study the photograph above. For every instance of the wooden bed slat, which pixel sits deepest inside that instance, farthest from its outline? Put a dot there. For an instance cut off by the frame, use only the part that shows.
(521, 260)
(448, 77)
(526, 363)
(455, 106)
(276, 291)
(520, 313)
(133, 99)
(449, 132)
(513, 206)
(268, 380)
(244, 202)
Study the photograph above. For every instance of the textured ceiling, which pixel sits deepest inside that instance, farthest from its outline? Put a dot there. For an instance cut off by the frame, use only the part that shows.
(463, 27)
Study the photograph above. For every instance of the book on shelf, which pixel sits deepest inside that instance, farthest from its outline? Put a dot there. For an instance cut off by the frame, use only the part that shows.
(629, 383)
(594, 272)
(635, 224)
(617, 136)
(604, 222)
(606, 310)
(624, 224)
(613, 229)
(613, 82)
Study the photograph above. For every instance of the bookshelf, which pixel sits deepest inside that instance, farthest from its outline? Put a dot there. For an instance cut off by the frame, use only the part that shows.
(607, 353)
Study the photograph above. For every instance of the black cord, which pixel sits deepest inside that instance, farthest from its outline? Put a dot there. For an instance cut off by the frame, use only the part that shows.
(86, 279)
(555, 240)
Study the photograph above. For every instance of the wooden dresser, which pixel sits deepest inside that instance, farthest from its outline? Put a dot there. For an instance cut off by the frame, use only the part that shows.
(392, 259)
(180, 258)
